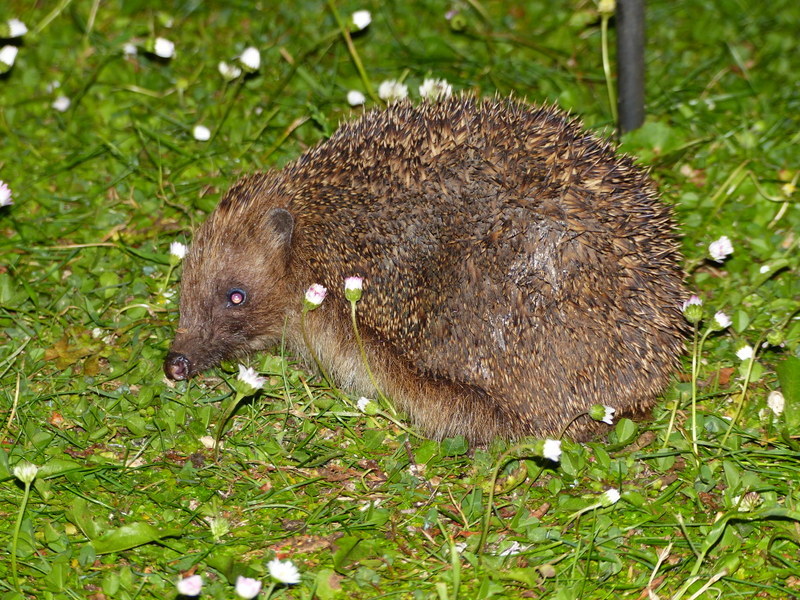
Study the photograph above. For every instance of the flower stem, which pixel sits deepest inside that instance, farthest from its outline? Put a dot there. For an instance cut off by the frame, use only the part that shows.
(612, 100)
(740, 403)
(493, 483)
(166, 279)
(224, 419)
(312, 352)
(363, 352)
(362, 73)
(14, 540)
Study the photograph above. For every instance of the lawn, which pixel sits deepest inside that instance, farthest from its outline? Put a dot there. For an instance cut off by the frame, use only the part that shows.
(119, 131)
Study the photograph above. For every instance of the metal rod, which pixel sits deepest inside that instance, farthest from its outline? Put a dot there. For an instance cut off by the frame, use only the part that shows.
(630, 63)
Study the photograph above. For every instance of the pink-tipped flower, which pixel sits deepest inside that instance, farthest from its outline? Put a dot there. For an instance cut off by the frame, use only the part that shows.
(247, 588)
(720, 249)
(190, 586)
(315, 295)
(252, 380)
(693, 300)
(353, 287)
(721, 321)
(5, 194)
(693, 309)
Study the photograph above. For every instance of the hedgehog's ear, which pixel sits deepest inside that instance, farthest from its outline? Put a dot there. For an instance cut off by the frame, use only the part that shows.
(282, 223)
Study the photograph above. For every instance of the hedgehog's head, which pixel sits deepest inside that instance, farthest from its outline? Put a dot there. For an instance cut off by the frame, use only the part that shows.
(235, 289)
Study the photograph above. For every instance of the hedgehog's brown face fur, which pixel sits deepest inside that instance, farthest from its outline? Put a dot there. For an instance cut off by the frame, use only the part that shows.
(234, 294)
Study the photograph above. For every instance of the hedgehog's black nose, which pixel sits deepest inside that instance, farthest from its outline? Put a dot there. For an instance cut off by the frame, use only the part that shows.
(177, 366)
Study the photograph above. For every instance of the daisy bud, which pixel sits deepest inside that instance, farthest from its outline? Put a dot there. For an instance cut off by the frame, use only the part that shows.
(314, 296)
(250, 59)
(360, 20)
(609, 497)
(367, 406)
(352, 288)
(355, 98)
(162, 48)
(600, 412)
(229, 72)
(201, 133)
(693, 309)
(8, 54)
(775, 337)
(606, 7)
(13, 28)
(745, 352)
(26, 472)
(720, 249)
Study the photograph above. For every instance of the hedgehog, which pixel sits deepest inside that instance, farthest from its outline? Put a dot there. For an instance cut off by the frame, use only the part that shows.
(516, 269)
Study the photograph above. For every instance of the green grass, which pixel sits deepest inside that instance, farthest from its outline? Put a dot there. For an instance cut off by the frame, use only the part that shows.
(126, 494)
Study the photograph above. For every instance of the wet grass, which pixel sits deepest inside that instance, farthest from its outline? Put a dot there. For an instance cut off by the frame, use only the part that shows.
(128, 500)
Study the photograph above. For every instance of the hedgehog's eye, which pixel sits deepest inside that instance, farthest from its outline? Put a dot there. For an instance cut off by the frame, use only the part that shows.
(236, 297)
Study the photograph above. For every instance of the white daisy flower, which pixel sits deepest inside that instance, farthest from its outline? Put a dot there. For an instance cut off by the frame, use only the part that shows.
(355, 98)
(61, 104)
(361, 19)
(720, 249)
(392, 90)
(201, 133)
(164, 48)
(284, 571)
(435, 89)
(250, 59)
(229, 72)
(247, 588)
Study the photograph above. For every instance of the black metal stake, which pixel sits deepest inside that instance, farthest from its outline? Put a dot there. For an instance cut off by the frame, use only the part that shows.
(630, 63)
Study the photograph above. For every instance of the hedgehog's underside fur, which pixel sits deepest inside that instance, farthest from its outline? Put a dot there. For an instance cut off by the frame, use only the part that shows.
(516, 270)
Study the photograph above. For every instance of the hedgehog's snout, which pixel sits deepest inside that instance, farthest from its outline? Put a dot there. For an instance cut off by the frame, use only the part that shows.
(177, 366)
